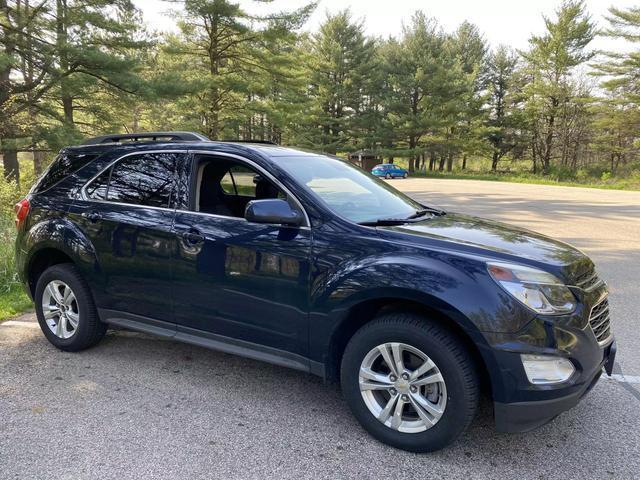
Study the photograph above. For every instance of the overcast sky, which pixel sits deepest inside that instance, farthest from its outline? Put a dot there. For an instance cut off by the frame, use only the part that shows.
(510, 22)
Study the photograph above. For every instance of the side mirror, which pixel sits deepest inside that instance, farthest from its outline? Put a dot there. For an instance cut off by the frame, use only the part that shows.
(272, 210)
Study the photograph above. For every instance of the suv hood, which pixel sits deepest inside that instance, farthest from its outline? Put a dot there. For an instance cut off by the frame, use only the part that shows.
(498, 240)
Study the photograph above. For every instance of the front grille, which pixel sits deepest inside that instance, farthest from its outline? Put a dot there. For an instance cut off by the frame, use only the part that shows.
(600, 322)
(588, 280)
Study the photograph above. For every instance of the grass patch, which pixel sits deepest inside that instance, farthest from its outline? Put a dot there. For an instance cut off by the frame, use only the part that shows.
(13, 301)
(519, 171)
(612, 184)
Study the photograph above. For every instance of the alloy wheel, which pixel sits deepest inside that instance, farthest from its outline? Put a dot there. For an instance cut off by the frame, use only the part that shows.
(402, 387)
(60, 309)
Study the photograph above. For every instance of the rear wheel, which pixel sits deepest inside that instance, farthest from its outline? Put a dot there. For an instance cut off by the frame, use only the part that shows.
(405, 175)
(409, 382)
(65, 309)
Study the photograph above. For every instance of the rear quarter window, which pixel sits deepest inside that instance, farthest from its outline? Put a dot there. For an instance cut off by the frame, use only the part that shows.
(62, 166)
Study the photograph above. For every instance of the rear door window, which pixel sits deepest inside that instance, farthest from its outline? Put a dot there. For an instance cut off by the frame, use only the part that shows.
(145, 179)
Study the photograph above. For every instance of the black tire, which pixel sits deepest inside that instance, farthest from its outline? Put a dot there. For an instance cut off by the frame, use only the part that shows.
(388, 176)
(405, 175)
(444, 349)
(90, 329)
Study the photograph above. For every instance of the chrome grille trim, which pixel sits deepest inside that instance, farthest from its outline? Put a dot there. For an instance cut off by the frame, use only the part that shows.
(600, 321)
(589, 281)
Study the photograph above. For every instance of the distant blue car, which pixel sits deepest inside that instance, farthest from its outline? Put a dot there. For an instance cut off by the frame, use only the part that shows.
(389, 170)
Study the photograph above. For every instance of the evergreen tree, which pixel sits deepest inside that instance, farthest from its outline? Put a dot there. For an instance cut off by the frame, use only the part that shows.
(504, 119)
(551, 60)
(340, 63)
(617, 114)
(226, 49)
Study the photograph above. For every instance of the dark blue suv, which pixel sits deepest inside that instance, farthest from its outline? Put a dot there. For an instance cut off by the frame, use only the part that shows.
(282, 255)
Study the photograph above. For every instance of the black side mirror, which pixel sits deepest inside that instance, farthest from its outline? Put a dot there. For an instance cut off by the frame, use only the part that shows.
(272, 210)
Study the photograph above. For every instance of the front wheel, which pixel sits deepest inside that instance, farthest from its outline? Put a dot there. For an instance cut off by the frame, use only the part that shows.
(405, 175)
(388, 176)
(409, 382)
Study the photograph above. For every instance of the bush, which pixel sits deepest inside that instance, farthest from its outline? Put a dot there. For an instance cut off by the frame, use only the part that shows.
(13, 300)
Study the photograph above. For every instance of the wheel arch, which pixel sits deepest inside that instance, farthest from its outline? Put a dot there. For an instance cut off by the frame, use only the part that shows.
(42, 259)
(53, 242)
(365, 311)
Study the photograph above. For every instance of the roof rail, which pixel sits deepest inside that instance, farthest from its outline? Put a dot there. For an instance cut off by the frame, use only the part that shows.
(146, 136)
(266, 142)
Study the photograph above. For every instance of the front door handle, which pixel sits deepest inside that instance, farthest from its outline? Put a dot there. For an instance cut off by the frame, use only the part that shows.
(192, 237)
(93, 217)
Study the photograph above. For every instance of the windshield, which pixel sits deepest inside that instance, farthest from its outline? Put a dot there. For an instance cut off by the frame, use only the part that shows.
(347, 190)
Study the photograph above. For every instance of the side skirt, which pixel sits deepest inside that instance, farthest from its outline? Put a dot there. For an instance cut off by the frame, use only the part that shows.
(212, 341)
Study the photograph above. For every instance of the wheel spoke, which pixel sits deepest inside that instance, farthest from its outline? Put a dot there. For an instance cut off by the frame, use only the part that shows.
(388, 359)
(386, 411)
(371, 375)
(53, 291)
(67, 295)
(397, 414)
(50, 311)
(396, 351)
(434, 378)
(422, 369)
(426, 419)
(61, 326)
(425, 404)
(72, 318)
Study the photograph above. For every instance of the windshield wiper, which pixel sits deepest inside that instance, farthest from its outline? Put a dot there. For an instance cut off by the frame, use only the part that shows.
(425, 211)
(385, 222)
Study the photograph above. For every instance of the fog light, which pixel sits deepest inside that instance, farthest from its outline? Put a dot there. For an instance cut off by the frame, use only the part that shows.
(545, 369)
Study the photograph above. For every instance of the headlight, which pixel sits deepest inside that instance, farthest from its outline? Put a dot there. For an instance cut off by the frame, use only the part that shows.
(537, 289)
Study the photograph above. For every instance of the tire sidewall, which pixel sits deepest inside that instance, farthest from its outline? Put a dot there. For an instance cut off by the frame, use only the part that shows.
(63, 273)
(448, 427)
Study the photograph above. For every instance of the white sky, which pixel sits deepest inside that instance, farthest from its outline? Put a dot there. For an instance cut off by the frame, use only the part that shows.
(510, 22)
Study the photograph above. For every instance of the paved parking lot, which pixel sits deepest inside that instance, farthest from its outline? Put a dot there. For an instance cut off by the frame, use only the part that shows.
(141, 407)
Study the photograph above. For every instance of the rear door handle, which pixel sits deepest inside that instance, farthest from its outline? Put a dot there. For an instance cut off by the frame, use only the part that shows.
(92, 216)
(192, 237)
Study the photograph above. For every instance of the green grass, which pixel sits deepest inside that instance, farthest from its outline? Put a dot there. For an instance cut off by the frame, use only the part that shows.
(610, 184)
(519, 171)
(13, 301)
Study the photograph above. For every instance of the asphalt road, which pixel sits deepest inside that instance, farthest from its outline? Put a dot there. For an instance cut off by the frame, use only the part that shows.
(141, 407)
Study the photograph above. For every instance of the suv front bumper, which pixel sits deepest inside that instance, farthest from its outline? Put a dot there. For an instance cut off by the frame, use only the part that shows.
(523, 416)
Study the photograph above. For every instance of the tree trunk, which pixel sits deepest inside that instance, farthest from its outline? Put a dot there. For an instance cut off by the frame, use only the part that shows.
(61, 42)
(39, 159)
(548, 142)
(10, 164)
(450, 162)
(464, 162)
(494, 161)
(412, 157)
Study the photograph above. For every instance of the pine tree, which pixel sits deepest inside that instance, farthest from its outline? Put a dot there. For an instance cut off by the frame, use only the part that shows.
(504, 119)
(551, 60)
(340, 63)
(226, 49)
(617, 114)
